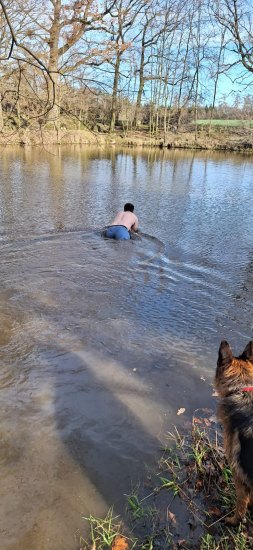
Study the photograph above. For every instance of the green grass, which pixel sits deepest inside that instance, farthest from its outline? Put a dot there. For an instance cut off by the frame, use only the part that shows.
(227, 123)
(192, 486)
(104, 533)
(135, 506)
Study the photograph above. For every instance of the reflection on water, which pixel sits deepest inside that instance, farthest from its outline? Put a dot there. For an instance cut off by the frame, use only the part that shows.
(101, 342)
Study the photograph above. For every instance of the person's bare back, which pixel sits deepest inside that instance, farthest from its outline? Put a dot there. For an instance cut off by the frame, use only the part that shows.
(128, 219)
(122, 224)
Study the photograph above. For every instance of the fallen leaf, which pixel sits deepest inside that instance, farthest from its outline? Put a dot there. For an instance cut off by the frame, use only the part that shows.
(181, 542)
(214, 511)
(197, 420)
(199, 485)
(207, 422)
(120, 543)
(215, 394)
(171, 517)
(180, 411)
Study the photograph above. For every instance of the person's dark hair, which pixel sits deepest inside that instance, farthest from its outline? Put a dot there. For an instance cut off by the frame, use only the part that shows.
(128, 207)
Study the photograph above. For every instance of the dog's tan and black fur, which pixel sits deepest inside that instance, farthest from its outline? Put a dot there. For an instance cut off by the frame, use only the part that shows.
(234, 385)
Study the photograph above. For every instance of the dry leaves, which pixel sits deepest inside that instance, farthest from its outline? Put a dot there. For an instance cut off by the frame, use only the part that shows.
(120, 543)
(214, 511)
(171, 517)
(199, 485)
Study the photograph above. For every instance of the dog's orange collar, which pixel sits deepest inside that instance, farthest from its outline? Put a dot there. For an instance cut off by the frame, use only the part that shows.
(248, 388)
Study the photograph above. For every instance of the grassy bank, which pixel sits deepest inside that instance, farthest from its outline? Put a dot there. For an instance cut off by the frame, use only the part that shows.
(217, 137)
(183, 504)
(234, 122)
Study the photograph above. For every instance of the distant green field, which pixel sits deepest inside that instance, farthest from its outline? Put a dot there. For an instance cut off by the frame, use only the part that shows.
(229, 122)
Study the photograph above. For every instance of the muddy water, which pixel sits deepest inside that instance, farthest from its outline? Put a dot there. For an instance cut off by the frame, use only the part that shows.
(102, 342)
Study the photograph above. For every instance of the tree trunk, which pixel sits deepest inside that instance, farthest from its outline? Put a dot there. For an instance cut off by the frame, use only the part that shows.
(1, 114)
(53, 66)
(115, 94)
(216, 80)
(141, 80)
(179, 107)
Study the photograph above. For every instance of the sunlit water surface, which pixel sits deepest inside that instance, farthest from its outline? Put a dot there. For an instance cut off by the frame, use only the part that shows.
(102, 342)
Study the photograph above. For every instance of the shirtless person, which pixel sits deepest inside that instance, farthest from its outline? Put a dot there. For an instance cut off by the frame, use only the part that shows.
(123, 223)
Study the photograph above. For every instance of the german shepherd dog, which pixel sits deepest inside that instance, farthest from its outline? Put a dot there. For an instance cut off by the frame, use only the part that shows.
(234, 385)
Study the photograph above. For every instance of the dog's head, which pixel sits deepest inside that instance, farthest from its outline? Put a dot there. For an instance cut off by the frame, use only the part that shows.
(234, 373)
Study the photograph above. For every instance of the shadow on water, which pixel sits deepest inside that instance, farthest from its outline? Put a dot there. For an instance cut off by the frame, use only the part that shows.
(99, 380)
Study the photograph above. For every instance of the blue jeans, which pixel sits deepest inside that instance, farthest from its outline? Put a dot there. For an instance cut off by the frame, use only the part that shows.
(119, 232)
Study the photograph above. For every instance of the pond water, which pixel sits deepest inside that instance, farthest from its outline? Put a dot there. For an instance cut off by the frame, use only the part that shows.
(102, 342)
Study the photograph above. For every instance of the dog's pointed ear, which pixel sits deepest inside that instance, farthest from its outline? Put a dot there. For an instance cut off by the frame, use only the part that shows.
(225, 355)
(248, 352)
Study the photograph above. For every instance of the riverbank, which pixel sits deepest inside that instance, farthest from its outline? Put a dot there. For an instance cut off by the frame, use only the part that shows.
(216, 139)
(183, 504)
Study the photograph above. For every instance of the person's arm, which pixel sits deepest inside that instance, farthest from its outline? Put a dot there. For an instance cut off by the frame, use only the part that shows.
(135, 225)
